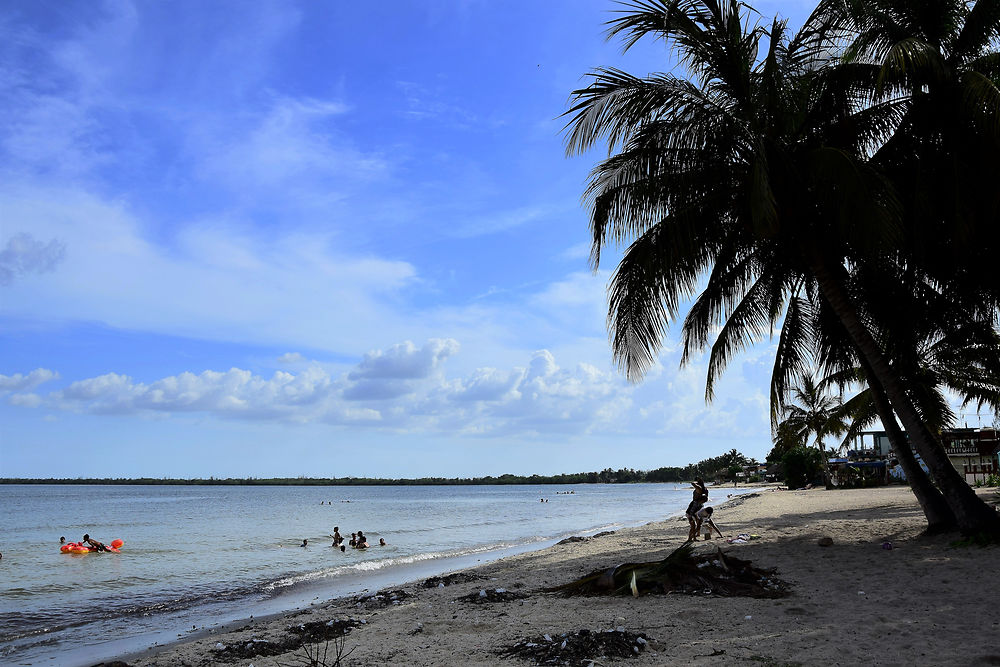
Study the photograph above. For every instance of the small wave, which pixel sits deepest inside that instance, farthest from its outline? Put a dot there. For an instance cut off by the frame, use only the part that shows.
(379, 564)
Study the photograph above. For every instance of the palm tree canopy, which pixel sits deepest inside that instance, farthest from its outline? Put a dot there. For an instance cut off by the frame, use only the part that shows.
(725, 185)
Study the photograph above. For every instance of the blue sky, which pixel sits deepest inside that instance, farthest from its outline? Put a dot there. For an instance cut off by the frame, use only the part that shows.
(321, 239)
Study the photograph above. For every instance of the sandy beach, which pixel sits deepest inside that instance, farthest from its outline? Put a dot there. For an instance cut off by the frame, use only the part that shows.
(853, 602)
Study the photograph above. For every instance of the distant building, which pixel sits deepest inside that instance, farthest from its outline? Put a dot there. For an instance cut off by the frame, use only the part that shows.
(870, 445)
(973, 452)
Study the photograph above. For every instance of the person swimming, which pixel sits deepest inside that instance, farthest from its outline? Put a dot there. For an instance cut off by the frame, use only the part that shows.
(305, 543)
(362, 542)
(94, 544)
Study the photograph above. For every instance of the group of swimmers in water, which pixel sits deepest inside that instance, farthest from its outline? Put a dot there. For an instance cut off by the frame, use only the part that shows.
(698, 514)
(358, 540)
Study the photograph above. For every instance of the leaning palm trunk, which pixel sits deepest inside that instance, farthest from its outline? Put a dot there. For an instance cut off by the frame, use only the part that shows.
(971, 513)
(939, 516)
(827, 475)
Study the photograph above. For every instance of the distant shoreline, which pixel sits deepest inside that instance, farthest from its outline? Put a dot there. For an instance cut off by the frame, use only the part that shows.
(503, 480)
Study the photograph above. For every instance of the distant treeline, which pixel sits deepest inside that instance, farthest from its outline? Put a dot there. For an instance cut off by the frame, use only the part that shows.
(706, 468)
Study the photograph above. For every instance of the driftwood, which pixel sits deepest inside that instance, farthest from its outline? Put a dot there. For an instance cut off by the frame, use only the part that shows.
(682, 571)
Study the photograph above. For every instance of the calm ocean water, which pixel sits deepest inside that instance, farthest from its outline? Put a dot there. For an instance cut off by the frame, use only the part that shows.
(203, 555)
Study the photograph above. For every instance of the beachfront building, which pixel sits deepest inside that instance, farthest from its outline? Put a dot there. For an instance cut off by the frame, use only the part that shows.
(870, 446)
(973, 452)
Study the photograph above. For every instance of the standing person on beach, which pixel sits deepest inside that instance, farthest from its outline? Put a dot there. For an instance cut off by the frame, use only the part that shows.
(700, 497)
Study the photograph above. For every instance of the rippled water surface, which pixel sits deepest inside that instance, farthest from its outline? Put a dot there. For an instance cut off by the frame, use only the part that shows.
(197, 554)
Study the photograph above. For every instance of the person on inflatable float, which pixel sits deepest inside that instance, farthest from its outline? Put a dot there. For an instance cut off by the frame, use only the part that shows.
(97, 546)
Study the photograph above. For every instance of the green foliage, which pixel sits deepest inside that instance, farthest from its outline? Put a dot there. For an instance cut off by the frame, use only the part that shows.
(706, 469)
(802, 465)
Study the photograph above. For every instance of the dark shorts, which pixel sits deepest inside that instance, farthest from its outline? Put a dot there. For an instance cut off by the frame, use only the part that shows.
(693, 508)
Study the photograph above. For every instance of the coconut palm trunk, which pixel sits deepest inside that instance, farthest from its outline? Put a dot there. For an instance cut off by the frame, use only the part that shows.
(827, 475)
(939, 516)
(972, 514)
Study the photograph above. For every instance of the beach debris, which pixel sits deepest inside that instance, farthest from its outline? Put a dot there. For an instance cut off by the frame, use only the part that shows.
(581, 647)
(454, 578)
(381, 598)
(317, 631)
(300, 635)
(682, 571)
(887, 546)
(740, 499)
(492, 595)
(825, 541)
(577, 538)
(238, 651)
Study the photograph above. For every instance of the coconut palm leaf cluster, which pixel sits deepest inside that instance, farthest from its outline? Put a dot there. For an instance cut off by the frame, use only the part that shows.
(837, 182)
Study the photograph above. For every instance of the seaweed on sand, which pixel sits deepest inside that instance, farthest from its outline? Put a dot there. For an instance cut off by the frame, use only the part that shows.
(682, 571)
(492, 595)
(381, 598)
(300, 636)
(578, 648)
(449, 579)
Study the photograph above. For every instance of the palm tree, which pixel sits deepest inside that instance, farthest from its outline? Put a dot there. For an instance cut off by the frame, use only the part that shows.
(736, 177)
(814, 413)
(939, 57)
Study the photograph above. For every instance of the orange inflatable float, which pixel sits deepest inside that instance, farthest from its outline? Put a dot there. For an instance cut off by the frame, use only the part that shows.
(81, 548)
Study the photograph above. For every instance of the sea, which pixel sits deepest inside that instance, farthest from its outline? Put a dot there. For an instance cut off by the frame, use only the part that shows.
(198, 557)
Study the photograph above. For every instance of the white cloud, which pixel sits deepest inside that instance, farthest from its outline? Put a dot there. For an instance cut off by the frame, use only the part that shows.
(292, 149)
(229, 283)
(397, 371)
(24, 255)
(291, 358)
(403, 387)
(21, 382)
(25, 400)
(488, 384)
(405, 361)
